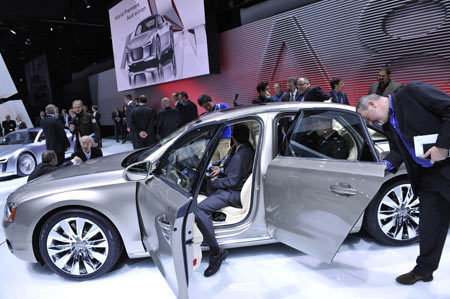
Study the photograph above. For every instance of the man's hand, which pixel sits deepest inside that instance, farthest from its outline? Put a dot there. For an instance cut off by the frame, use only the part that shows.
(436, 154)
(78, 160)
(213, 179)
(215, 171)
(128, 129)
(143, 134)
(94, 144)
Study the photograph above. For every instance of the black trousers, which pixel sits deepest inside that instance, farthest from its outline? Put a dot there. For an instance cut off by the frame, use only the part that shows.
(434, 195)
(216, 200)
(119, 129)
(61, 157)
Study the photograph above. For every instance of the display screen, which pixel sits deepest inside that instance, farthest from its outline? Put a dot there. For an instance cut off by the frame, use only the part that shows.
(156, 41)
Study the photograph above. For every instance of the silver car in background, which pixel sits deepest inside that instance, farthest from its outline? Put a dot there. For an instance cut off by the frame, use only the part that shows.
(78, 219)
(21, 151)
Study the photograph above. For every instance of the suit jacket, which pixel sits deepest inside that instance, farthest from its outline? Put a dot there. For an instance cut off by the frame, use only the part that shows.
(55, 136)
(314, 94)
(130, 108)
(237, 170)
(41, 169)
(287, 97)
(188, 113)
(37, 121)
(414, 101)
(8, 126)
(95, 153)
(334, 98)
(168, 121)
(97, 117)
(143, 119)
(22, 125)
(390, 89)
(115, 114)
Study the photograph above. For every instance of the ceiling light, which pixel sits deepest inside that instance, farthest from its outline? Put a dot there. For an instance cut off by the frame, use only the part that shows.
(86, 2)
(12, 31)
(51, 28)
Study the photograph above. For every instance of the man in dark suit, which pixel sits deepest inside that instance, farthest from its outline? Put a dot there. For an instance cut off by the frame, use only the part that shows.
(37, 122)
(223, 189)
(19, 123)
(336, 93)
(292, 94)
(8, 125)
(85, 123)
(189, 111)
(142, 123)
(117, 117)
(415, 110)
(49, 164)
(130, 106)
(97, 115)
(87, 151)
(384, 85)
(168, 119)
(55, 136)
(310, 94)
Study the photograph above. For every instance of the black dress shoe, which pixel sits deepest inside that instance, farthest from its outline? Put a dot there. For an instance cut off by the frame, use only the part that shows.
(215, 262)
(123, 142)
(411, 278)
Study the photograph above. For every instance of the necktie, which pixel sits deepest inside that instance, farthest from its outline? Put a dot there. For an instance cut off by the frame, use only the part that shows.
(340, 97)
(292, 97)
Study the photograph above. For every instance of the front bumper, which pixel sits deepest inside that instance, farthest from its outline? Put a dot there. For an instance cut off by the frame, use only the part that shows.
(16, 239)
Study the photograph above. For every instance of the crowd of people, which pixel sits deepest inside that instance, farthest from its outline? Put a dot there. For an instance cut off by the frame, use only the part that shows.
(9, 125)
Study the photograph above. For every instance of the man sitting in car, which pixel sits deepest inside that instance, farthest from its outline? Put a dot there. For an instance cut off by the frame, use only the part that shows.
(327, 140)
(223, 189)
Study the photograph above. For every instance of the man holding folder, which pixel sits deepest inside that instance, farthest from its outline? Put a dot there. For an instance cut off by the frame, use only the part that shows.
(416, 112)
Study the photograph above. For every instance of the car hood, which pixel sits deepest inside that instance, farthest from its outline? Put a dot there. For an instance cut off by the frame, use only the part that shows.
(140, 40)
(9, 149)
(90, 174)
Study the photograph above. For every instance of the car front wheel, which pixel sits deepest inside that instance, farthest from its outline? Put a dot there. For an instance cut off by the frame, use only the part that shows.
(393, 215)
(25, 164)
(79, 244)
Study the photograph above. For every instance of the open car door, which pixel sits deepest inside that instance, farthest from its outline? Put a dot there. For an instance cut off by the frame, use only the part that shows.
(312, 200)
(167, 201)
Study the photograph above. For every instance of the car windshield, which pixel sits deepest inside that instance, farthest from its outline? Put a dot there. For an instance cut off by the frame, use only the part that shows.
(143, 154)
(145, 26)
(22, 137)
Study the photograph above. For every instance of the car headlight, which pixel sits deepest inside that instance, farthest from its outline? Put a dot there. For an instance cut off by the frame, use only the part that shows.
(10, 212)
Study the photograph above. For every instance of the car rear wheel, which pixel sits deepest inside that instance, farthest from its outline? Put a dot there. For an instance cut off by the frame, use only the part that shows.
(25, 164)
(79, 244)
(393, 215)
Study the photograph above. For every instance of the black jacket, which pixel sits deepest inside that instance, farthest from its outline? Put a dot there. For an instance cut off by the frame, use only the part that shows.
(260, 101)
(143, 119)
(86, 125)
(55, 136)
(8, 126)
(115, 114)
(188, 113)
(237, 170)
(95, 153)
(420, 109)
(334, 98)
(97, 117)
(130, 108)
(168, 121)
(314, 94)
(41, 169)
(22, 125)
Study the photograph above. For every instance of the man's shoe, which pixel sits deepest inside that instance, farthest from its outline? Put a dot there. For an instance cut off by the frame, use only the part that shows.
(215, 262)
(117, 141)
(123, 142)
(411, 278)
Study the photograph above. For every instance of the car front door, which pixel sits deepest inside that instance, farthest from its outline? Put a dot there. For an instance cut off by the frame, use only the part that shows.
(315, 192)
(167, 201)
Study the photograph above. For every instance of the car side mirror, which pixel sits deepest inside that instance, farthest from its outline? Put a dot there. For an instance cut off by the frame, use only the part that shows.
(138, 171)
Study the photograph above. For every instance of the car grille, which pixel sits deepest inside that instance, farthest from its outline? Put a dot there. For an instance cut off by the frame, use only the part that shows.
(137, 54)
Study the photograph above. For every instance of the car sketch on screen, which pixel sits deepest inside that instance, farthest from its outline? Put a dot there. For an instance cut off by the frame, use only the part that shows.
(149, 50)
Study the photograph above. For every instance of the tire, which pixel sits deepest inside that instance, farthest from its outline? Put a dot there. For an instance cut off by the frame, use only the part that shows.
(74, 259)
(393, 215)
(25, 164)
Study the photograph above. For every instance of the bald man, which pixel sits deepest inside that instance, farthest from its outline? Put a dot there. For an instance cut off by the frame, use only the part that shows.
(87, 152)
(168, 119)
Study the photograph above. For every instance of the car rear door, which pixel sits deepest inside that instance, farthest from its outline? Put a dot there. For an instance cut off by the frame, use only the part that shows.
(314, 197)
(167, 201)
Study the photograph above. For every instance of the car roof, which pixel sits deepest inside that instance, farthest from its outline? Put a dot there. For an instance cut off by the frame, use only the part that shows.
(243, 111)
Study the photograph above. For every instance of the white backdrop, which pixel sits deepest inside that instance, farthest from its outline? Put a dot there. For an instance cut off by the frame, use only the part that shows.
(7, 87)
(14, 108)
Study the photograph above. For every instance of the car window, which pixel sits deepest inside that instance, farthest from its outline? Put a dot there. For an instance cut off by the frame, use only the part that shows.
(160, 21)
(328, 135)
(145, 26)
(179, 165)
(16, 138)
(376, 135)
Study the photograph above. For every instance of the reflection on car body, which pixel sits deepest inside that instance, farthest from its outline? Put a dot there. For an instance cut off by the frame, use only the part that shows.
(308, 202)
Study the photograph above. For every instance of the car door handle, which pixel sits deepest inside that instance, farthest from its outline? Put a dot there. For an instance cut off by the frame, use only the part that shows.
(344, 189)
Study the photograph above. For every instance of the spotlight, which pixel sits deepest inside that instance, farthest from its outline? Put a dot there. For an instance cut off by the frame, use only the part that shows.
(51, 28)
(12, 31)
(86, 2)
(28, 42)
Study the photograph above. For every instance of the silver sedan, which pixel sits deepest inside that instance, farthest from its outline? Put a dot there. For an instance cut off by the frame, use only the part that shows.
(79, 219)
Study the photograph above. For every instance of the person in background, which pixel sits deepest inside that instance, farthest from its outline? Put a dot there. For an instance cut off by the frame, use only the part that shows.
(279, 94)
(130, 106)
(206, 103)
(117, 117)
(124, 122)
(87, 151)
(19, 123)
(8, 125)
(85, 108)
(418, 109)
(384, 85)
(292, 94)
(168, 119)
(65, 118)
(97, 117)
(263, 90)
(142, 123)
(189, 111)
(49, 164)
(310, 94)
(55, 136)
(337, 95)
(37, 121)
(85, 123)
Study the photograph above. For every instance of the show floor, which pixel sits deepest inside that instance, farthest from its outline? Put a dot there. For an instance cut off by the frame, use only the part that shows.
(362, 269)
